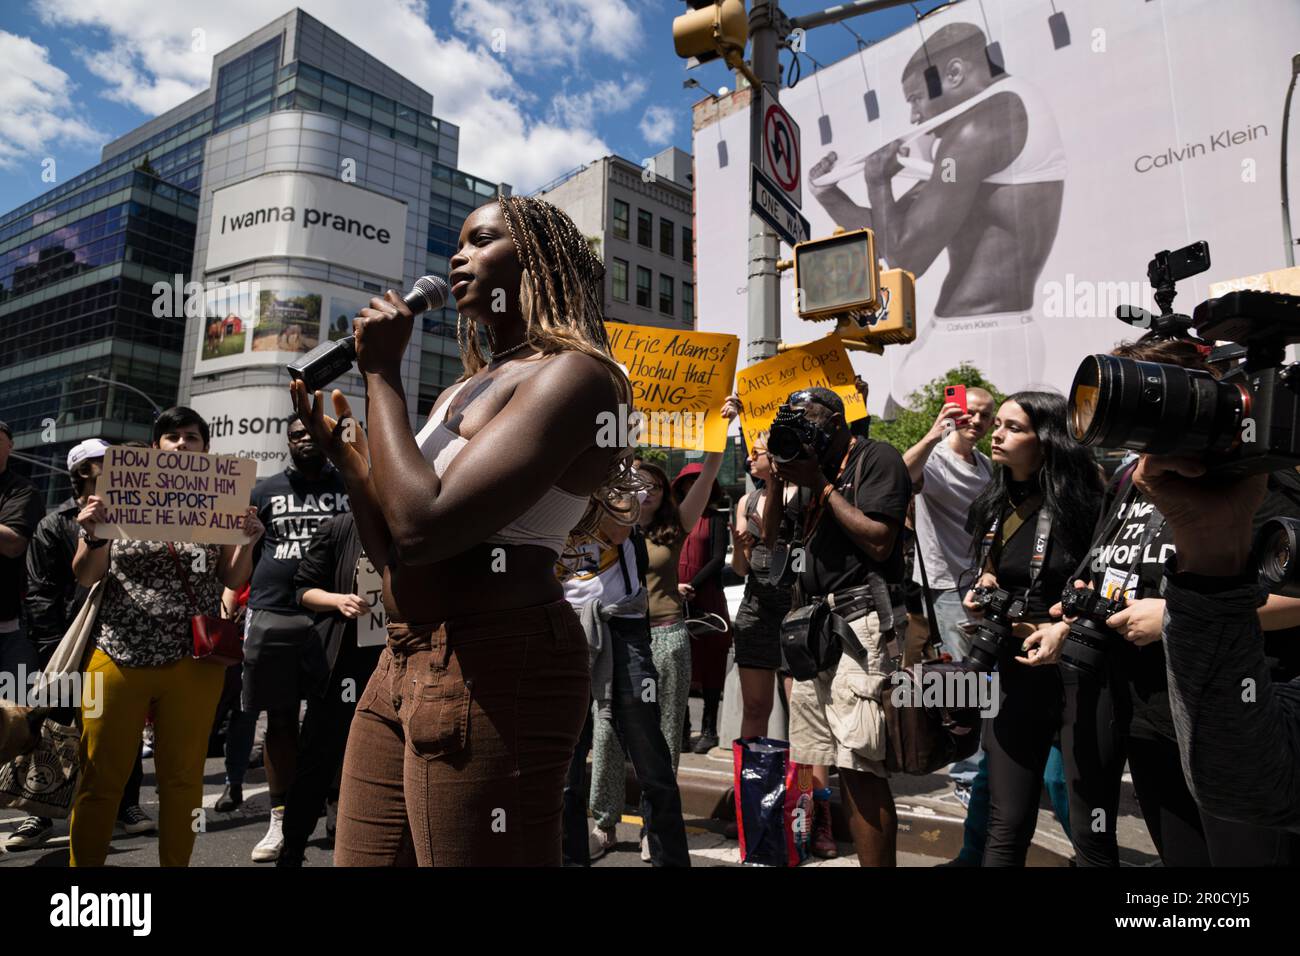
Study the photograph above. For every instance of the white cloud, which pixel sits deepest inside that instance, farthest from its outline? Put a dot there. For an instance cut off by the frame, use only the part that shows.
(36, 110)
(607, 96)
(145, 56)
(542, 33)
(658, 125)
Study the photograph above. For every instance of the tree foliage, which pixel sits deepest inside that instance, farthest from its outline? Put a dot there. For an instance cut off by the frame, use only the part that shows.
(923, 408)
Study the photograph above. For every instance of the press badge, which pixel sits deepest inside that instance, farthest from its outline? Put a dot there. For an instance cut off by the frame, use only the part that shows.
(1113, 581)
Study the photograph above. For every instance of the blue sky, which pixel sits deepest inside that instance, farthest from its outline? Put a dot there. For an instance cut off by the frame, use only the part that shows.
(576, 78)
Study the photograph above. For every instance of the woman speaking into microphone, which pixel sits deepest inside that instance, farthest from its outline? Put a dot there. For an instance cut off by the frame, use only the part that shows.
(461, 740)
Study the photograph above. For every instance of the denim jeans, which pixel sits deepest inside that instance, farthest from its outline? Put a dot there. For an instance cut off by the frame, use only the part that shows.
(635, 727)
(948, 613)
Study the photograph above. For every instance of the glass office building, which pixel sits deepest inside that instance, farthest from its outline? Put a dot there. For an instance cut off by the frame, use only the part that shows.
(294, 110)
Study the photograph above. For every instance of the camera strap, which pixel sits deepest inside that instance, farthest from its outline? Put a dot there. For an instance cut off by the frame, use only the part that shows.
(1042, 535)
(818, 506)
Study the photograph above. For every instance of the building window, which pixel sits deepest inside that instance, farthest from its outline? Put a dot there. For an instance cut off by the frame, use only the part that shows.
(643, 287)
(644, 228)
(620, 280)
(688, 244)
(666, 237)
(688, 303)
(621, 213)
(666, 294)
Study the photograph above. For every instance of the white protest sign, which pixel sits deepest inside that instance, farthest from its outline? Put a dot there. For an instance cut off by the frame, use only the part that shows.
(372, 627)
(156, 495)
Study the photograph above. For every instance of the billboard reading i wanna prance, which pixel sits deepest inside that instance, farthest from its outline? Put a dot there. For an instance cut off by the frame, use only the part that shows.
(1027, 200)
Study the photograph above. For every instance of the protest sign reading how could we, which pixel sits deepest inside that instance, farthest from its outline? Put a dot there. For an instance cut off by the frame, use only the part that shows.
(156, 495)
(765, 385)
(680, 381)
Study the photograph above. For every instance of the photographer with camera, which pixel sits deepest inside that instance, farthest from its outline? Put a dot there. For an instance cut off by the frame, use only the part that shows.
(1116, 690)
(1032, 524)
(1238, 731)
(848, 514)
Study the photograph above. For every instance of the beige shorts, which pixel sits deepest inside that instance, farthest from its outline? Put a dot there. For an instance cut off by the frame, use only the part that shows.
(837, 719)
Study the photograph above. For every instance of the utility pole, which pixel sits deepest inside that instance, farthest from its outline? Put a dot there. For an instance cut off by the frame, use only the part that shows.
(763, 328)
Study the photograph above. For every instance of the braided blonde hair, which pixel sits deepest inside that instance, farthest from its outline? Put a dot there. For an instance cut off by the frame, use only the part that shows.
(562, 298)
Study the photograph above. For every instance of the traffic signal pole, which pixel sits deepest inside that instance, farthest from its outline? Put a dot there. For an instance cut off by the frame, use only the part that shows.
(764, 300)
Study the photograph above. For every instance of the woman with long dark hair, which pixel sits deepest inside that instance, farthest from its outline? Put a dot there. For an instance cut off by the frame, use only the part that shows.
(460, 745)
(1031, 526)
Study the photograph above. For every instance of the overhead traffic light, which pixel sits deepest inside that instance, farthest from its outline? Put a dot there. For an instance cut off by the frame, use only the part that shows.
(836, 275)
(711, 29)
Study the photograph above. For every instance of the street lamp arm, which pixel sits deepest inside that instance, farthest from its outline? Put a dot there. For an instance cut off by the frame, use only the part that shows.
(130, 388)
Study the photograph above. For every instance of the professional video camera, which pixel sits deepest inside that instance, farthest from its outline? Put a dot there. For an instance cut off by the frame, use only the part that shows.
(790, 432)
(1244, 423)
(992, 633)
(1089, 638)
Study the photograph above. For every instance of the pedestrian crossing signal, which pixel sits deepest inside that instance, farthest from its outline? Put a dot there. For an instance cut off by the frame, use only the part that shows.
(893, 322)
(836, 275)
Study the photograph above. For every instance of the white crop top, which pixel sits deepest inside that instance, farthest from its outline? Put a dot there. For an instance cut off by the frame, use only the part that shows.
(546, 524)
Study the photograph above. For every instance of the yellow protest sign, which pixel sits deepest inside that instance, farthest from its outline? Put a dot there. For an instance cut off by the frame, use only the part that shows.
(765, 385)
(156, 495)
(680, 381)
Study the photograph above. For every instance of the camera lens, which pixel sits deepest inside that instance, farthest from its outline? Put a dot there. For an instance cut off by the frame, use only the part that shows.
(986, 642)
(1085, 647)
(1276, 546)
(1155, 408)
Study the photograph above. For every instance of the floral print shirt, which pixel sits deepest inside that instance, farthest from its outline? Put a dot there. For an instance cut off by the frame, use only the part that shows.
(144, 620)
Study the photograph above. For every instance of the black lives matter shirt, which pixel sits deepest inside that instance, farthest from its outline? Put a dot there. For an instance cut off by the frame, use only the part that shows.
(1134, 534)
(834, 562)
(292, 507)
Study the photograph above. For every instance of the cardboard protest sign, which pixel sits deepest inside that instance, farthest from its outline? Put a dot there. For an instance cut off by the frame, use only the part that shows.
(765, 385)
(680, 381)
(156, 495)
(372, 626)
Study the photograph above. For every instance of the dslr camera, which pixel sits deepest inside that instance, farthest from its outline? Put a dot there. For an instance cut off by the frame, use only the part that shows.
(1089, 638)
(991, 635)
(791, 431)
(1244, 423)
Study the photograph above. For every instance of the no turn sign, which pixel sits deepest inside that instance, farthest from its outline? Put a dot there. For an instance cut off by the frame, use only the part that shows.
(779, 157)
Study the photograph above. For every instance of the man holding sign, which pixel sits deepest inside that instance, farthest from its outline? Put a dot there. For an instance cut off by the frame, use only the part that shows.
(163, 571)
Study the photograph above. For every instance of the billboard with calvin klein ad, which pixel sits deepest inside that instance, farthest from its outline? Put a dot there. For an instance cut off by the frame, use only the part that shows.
(1025, 160)
(307, 217)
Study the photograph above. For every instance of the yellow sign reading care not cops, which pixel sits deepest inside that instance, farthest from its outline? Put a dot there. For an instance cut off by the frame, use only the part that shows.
(765, 385)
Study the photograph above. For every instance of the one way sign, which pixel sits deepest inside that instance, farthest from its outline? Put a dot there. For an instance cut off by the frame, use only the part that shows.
(770, 205)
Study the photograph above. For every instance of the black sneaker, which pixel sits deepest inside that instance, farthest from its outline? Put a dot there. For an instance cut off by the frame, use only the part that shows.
(231, 798)
(134, 820)
(32, 832)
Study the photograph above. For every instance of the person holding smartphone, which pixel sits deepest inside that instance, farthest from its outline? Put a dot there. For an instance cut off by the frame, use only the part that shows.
(1031, 525)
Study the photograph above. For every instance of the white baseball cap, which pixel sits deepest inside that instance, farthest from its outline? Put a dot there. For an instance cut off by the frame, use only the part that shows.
(90, 448)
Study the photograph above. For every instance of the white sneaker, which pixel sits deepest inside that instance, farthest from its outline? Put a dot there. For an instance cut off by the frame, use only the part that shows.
(645, 849)
(268, 851)
(601, 842)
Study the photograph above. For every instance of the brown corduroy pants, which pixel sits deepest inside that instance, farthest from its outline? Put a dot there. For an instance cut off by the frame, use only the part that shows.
(461, 741)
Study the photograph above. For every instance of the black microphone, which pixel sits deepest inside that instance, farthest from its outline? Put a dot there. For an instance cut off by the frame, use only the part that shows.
(329, 360)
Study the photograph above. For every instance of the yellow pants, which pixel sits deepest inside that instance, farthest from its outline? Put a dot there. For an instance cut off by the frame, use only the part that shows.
(184, 697)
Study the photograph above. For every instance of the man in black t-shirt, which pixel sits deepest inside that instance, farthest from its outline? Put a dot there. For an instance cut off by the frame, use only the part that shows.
(21, 511)
(284, 661)
(849, 513)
